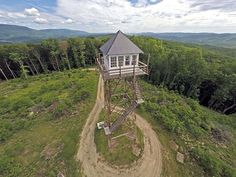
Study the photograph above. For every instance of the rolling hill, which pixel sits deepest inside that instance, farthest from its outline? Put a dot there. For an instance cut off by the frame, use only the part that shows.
(227, 40)
(14, 33)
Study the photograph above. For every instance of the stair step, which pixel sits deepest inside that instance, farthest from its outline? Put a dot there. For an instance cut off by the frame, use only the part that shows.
(125, 114)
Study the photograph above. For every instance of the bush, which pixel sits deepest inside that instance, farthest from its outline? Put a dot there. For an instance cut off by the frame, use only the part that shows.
(61, 109)
(228, 172)
(8, 167)
(80, 96)
(22, 103)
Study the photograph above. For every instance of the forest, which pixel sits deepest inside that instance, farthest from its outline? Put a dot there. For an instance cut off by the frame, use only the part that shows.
(204, 74)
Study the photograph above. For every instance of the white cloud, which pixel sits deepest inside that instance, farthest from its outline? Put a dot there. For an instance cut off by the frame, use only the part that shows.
(40, 20)
(69, 21)
(143, 15)
(12, 15)
(153, 1)
(32, 12)
(147, 15)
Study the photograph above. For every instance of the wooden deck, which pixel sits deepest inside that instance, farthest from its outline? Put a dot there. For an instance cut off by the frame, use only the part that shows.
(141, 69)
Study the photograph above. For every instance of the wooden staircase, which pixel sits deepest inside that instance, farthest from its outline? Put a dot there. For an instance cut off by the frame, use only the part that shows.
(123, 116)
(138, 93)
(129, 110)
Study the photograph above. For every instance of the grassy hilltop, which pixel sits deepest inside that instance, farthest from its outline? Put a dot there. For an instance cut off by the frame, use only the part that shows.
(40, 122)
(42, 117)
(206, 138)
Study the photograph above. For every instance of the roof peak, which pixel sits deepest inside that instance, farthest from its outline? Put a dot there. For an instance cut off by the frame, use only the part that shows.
(119, 43)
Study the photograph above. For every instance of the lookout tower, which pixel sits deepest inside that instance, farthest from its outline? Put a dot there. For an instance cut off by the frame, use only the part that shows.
(119, 64)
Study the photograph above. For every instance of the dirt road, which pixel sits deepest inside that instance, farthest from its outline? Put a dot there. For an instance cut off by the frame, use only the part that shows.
(149, 165)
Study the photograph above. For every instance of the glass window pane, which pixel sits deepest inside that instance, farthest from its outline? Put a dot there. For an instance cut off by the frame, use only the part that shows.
(134, 59)
(113, 62)
(121, 60)
(127, 60)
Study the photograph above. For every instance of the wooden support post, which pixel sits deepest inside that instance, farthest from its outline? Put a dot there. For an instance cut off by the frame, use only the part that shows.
(120, 71)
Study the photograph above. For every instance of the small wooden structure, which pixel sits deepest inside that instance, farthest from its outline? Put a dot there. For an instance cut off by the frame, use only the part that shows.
(120, 60)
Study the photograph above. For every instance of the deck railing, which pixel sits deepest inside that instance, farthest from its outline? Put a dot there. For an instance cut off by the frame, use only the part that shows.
(135, 69)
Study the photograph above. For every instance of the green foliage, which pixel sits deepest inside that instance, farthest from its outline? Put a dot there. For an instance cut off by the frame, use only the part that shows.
(189, 123)
(208, 75)
(40, 122)
(212, 166)
(90, 51)
(190, 70)
(76, 52)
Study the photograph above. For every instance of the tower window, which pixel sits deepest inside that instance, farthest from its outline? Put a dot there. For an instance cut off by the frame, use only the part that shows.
(121, 60)
(134, 59)
(127, 60)
(113, 62)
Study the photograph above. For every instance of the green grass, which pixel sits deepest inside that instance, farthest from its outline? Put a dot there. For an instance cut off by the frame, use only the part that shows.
(180, 119)
(122, 154)
(40, 122)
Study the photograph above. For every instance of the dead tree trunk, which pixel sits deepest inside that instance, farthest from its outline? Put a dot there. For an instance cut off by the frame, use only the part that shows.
(231, 107)
(8, 67)
(32, 63)
(68, 62)
(39, 60)
(53, 66)
(31, 70)
(3, 74)
(58, 68)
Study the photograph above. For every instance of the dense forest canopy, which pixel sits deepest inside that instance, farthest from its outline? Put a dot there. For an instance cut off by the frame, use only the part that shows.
(205, 74)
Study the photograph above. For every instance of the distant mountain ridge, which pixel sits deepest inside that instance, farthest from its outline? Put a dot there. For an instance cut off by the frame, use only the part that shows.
(14, 33)
(227, 40)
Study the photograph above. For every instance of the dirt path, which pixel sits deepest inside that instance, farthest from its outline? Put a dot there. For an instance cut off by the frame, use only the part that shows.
(149, 165)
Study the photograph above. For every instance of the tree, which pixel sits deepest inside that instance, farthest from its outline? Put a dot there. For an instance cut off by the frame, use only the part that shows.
(20, 56)
(64, 53)
(90, 51)
(52, 47)
(76, 52)
(4, 52)
(35, 51)
(3, 74)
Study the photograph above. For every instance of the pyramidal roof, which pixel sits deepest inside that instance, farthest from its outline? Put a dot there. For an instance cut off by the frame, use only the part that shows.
(119, 44)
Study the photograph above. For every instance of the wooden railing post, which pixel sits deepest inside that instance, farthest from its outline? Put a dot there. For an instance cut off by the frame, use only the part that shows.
(133, 70)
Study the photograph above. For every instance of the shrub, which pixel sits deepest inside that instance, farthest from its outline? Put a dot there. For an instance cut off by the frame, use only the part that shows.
(80, 96)
(228, 171)
(8, 167)
(22, 103)
(61, 109)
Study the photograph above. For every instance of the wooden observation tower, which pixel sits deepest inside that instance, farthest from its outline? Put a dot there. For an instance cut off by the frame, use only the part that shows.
(120, 64)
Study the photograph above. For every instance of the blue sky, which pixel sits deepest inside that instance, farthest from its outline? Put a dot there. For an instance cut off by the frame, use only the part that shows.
(127, 15)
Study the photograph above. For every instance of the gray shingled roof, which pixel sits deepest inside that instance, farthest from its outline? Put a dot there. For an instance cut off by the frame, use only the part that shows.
(119, 44)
